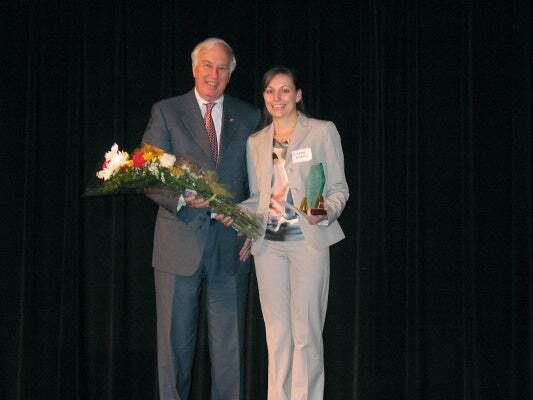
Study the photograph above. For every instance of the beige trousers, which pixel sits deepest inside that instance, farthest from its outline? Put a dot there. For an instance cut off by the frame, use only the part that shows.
(293, 280)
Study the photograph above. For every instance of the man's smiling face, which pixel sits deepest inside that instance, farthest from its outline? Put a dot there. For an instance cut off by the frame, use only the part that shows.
(212, 72)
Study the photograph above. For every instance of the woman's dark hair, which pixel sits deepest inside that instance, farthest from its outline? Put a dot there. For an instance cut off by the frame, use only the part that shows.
(268, 76)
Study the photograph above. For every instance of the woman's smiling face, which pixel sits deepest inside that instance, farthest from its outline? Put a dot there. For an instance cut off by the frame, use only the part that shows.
(281, 96)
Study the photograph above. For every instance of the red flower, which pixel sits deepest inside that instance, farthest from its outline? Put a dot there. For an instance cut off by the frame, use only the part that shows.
(138, 160)
(105, 164)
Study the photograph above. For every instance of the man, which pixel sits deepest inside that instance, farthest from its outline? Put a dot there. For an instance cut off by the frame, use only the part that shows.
(190, 247)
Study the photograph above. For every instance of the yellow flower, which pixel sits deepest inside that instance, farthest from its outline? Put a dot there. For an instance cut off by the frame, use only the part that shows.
(217, 188)
(176, 171)
(148, 148)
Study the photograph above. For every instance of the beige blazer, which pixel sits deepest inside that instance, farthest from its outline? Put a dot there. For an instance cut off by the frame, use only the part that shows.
(313, 141)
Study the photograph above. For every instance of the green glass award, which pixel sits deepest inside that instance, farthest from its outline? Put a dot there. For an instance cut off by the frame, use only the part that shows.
(314, 188)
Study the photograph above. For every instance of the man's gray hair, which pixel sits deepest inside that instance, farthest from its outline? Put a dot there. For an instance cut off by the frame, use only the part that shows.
(209, 43)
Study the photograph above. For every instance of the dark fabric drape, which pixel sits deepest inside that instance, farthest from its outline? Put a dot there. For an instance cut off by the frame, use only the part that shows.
(431, 291)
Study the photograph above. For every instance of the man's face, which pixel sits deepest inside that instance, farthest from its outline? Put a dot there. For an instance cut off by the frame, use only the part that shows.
(212, 72)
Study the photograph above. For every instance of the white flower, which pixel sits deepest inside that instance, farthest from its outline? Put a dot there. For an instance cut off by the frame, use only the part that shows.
(115, 159)
(104, 174)
(119, 159)
(167, 160)
(152, 167)
(111, 153)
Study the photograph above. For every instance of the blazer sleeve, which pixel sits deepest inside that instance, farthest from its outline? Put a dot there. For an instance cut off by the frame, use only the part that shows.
(252, 203)
(336, 193)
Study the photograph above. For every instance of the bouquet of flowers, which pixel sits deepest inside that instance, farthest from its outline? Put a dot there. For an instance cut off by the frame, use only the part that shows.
(150, 166)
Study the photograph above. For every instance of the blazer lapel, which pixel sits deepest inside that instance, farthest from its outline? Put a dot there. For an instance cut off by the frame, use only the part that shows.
(264, 166)
(300, 132)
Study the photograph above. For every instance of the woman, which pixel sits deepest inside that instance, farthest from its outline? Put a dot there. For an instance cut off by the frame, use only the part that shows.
(292, 258)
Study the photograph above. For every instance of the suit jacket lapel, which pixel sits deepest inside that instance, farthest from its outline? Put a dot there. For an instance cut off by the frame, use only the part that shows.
(192, 119)
(230, 124)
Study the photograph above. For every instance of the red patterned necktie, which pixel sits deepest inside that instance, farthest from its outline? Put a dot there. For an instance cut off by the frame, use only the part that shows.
(211, 132)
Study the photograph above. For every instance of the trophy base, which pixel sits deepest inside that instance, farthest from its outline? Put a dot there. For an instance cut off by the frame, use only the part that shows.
(317, 211)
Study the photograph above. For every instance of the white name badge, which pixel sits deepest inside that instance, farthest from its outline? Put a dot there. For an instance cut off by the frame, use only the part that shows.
(302, 155)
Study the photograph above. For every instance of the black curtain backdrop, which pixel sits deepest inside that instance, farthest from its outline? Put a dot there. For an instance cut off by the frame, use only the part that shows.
(431, 291)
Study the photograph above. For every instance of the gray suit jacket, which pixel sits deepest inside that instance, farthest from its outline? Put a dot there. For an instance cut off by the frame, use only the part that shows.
(176, 126)
(314, 141)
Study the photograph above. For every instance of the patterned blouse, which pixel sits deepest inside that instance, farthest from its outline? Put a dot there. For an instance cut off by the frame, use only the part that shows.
(283, 223)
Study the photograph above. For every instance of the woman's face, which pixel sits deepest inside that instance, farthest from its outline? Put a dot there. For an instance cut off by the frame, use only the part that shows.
(281, 96)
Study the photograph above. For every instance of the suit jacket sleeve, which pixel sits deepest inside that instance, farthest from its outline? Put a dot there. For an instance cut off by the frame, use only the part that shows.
(158, 134)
